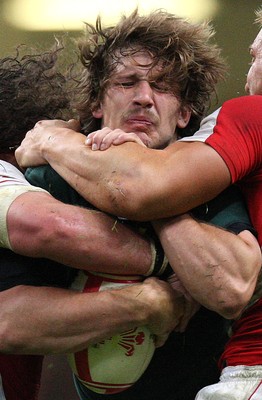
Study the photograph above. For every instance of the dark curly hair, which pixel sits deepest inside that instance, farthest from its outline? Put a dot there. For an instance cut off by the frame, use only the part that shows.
(31, 89)
(192, 63)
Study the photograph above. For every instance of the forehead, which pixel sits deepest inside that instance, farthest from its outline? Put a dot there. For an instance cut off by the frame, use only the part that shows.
(257, 44)
(136, 62)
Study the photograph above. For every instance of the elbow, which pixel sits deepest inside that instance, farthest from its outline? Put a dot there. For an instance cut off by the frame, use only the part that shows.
(6, 345)
(35, 236)
(9, 341)
(134, 210)
(234, 304)
(53, 230)
(241, 289)
(137, 195)
(12, 339)
(136, 205)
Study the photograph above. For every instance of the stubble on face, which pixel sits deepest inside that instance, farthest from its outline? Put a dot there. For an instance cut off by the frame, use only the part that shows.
(125, 105)
(254, 77)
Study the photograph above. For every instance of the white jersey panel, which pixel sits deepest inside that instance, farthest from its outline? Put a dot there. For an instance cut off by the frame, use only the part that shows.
(236, 383)
(10, 175)
(2, 395)
(12, 185)
(205, 130)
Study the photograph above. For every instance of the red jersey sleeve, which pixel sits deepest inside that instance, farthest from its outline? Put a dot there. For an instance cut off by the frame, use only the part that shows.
(237, 136)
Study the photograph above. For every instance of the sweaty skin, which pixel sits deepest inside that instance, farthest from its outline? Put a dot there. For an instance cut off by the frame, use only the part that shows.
(241, 262)
(122, 180)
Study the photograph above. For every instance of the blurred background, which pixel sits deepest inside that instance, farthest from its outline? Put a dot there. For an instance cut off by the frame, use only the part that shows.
(35, 22)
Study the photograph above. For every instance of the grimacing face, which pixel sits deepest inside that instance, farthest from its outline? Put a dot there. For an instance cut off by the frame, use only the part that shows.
(254, 76)
(136, 102)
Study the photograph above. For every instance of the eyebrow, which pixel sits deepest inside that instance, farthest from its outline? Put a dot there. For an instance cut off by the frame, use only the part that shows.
(128, 75)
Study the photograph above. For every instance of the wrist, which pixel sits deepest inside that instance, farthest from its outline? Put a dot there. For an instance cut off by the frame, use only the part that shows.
(163, 227)
(159, 260)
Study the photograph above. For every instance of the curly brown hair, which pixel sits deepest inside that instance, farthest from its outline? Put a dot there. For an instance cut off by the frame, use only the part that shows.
(31, 89)
(185, 50)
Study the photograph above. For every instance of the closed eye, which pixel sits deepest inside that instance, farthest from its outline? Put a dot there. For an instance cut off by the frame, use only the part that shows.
(160, 86)
(127, 84)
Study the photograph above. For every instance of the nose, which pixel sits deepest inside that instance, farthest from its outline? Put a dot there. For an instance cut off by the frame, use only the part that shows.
(143, 94)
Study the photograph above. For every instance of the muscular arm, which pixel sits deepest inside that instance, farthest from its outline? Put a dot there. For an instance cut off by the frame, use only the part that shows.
(75, 236)
(171, 168)
(218, 268)
(130, 180)
(145, 184)
(65, 321)
(174, 174)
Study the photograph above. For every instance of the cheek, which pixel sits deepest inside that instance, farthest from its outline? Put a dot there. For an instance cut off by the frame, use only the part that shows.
(110, 106)
(170, 109)
(251, 78)
(258, 76)
(254, 78)
(256, 71)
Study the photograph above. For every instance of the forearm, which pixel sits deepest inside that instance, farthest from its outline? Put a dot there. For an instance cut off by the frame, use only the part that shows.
(133, 181)
(40, 320)
(50, 320)
(40, 226)
(218, 268)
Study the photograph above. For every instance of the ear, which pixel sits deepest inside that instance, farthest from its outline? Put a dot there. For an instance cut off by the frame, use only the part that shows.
(184, 117)
(98, 112)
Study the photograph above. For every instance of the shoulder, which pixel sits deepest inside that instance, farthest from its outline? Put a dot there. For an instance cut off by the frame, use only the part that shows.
(242, 114)
(243, 105)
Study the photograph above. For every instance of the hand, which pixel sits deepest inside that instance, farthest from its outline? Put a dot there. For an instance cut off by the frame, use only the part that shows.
(30, 152)
(165, 307)
(191, 305)
(104, 138)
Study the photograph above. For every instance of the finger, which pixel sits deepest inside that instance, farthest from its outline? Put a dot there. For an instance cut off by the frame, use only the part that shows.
(95, 138)
(160, 340)
(128, 137)
(111, 138)
(190, 309)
